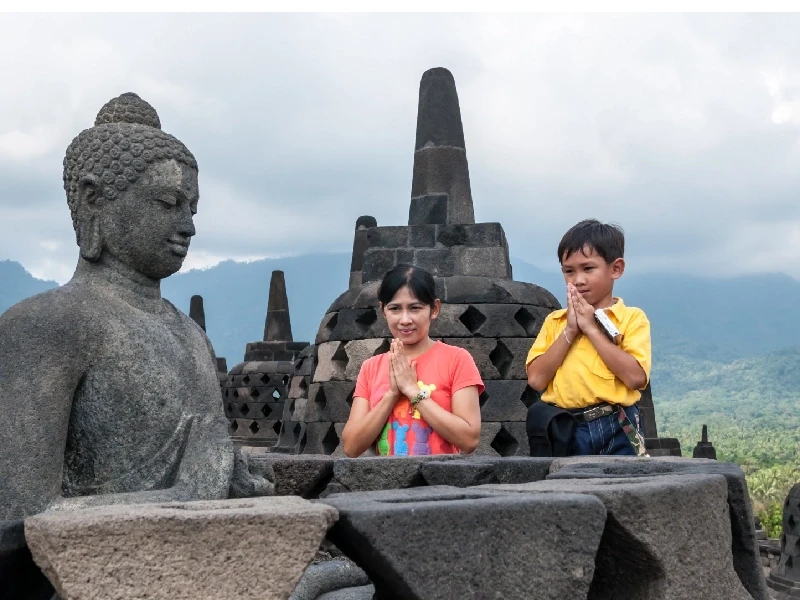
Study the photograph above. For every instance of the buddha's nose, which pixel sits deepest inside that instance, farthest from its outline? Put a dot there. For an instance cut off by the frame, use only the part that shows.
(186, 222)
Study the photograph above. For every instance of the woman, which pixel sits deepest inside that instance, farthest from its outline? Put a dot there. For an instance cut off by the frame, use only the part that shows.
(420, 397)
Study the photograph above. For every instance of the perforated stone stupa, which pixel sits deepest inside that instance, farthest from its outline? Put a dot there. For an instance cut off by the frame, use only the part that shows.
(256, 389)
(484, 310)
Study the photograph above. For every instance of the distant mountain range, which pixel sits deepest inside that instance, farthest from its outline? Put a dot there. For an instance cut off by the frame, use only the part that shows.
(696, 318)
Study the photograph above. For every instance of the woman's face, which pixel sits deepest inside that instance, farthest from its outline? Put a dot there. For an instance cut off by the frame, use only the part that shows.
(409, 319)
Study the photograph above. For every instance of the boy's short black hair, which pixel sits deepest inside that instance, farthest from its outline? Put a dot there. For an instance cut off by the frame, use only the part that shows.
(606, 239)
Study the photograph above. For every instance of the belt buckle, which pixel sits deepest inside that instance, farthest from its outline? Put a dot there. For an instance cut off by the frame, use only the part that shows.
(591, 414)
(595, 412)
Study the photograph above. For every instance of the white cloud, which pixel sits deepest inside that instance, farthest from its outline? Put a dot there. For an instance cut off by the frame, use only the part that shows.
(683, 128)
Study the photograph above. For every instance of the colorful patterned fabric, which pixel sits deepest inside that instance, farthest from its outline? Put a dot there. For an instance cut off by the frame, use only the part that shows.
(442, 370)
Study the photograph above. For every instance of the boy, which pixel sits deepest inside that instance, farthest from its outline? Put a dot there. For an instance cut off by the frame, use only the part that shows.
(576, 364)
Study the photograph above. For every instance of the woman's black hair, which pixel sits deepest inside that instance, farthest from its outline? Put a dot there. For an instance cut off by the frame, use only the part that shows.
(419, 282)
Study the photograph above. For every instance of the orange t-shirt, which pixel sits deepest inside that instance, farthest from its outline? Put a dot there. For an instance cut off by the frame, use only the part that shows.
(442, 370)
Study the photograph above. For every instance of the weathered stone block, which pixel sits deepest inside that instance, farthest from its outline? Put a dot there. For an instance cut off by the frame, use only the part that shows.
(461, 289)
(326, 327)
(345, 300)
(519, 348)
(180, 550)
(488, 432)
(428, 210)
(304, 475)
(670, 535)
(320, 438)
(496, 359)
(567, 531)
(298, 387)
(501, 401)
(439, 262)
(383, 472)
(353, 323)
(482, 262)
(479, 470)
(529, 293)
(448, 324)
(746, 556)
(331, 362)
(516, 430)
(404, 256)
(394, 236)
(357, 352)
(305, 362)
(477, 235)
(330, 401)
(377, 261)
(422, 236)
(460, 473)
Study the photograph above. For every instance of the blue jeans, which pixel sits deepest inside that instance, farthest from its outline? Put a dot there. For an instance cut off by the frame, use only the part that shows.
(604, 435)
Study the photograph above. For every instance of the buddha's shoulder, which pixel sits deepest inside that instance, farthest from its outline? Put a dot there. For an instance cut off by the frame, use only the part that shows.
(52, 321)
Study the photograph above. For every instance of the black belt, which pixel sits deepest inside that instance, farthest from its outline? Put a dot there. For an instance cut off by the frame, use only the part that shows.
(593, 412)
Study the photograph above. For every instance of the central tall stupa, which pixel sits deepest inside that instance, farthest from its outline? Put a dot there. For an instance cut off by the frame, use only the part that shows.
(484, 310)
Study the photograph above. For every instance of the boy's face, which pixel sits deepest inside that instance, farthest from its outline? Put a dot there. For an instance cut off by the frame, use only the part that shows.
(592, 276)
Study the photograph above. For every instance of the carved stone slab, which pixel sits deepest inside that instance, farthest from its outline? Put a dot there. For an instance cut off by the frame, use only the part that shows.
(173, 551)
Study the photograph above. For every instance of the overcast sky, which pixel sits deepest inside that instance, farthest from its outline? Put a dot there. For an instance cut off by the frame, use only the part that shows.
(685, 129)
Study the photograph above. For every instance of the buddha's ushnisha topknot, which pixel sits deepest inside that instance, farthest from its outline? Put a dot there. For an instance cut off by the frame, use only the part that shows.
(125, 139)
(128, 108)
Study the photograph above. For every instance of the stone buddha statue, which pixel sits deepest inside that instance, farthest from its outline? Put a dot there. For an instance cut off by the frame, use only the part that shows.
(108, 393)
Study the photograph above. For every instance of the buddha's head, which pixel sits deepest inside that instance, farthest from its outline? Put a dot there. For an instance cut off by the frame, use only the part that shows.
(132, 189)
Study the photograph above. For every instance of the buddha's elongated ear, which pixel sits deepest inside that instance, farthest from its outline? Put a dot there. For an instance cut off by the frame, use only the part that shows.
(90, 238)
(88, 188)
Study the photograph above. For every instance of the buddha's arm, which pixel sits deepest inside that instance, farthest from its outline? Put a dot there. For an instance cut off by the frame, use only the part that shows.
(208, 462)
(39, 371)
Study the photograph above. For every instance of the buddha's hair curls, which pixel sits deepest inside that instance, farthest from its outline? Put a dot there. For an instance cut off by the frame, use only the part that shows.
(126, 137)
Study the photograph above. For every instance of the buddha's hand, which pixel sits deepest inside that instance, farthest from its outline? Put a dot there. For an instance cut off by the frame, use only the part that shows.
(250, 479)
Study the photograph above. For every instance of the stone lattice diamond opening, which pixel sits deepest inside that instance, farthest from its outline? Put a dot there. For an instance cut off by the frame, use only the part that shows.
(529, 396)
(365, 320)
(526, 320)
(255, 393)
(234, 426)
(330, 442)
(320, 400)
(244, 409)
(254, 427)
(340, 357)
(504, 443)
(473, 319)
(383, 348)
(276, 427)
(265, 379)
(331, 324)
(501, 358)
(266, 411)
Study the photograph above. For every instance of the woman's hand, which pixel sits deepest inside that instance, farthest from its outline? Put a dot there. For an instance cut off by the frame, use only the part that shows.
(403, 374)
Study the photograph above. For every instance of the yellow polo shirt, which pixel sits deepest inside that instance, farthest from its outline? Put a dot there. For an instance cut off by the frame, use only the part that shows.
(583, 379)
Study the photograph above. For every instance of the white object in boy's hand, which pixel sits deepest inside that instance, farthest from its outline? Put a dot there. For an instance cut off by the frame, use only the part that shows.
(611, 330)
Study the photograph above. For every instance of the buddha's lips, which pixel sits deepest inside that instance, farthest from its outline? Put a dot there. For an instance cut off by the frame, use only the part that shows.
(179, 249)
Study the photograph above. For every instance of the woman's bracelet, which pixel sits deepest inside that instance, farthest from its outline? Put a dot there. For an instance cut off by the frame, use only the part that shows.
(569, 343)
